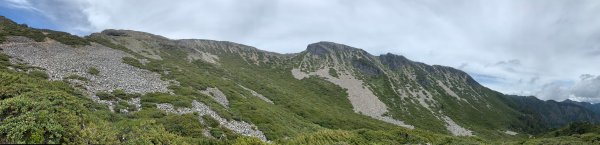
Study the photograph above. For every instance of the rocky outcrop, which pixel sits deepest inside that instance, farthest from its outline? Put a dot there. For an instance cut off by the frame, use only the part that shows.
(217, 95)
(202, 109)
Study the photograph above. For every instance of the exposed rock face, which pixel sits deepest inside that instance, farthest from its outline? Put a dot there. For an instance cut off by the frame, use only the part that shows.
(210, 50)
(204, 56)
(61, 60)
(394, 62)
(325, 48)
(366, 67)
(202, 109)
(361, 97)
(216, 94)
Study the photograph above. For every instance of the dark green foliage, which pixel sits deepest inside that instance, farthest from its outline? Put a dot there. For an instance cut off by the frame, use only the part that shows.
(575, 128)
(10, 28)
(132, 61)
(105, 96)
(66, 38)
(333, 72)
(47, 121)
(177, 101)
(39, 74)
(210, 121)
(184, 125)
(217, 133)
(121, 106)
(575, 133)
(93, 71)
(36, 113)
(108, 43)
(77, 77)
(4, 60)
(365, 136)
(540, 116)
(118, 93)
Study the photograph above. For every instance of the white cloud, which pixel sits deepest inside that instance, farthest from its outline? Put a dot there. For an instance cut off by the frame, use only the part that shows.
(552, 41)
(20, 4)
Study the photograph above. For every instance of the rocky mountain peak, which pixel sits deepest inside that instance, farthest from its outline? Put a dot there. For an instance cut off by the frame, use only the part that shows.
(324, 48)
(394, 61)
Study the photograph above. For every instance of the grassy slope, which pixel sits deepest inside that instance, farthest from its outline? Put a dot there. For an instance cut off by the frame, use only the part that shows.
(302, 107)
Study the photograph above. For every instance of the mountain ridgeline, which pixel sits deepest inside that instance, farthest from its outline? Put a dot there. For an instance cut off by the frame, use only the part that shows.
(122, 86)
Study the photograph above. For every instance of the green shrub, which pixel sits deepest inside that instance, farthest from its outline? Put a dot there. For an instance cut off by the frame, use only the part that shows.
(93, 71)
(132, 61)
(333, 72)
(108, 43)
(66, 38)
(245, 140)
(118, 93)
(39, 74)
(105, 96)
(184, 125)
(4, 59)
(122, 105)
(10, 28)
(77, 77)
(210, 121)
(217, 133)
(177, 101)
(50, 117)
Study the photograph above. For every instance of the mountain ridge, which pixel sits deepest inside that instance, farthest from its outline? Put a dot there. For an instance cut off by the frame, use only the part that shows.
(227, 91)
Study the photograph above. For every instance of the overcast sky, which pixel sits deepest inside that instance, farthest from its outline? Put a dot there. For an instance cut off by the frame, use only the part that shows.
(546, 48)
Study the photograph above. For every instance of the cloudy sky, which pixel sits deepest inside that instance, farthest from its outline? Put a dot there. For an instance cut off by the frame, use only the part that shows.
(550, 49)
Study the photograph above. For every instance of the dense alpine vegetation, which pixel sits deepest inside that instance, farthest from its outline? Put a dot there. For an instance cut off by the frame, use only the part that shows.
(217, 92)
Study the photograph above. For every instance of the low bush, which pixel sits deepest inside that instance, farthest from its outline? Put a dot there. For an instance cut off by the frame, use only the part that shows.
(77, 77)
(39, 74)
(93, 71)
(66, 38)
(210, 121)
(184, 125)
(132, 61)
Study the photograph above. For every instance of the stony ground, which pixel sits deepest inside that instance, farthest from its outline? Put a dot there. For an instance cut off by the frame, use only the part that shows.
(61, 60)
(202, 109)
(456, 129)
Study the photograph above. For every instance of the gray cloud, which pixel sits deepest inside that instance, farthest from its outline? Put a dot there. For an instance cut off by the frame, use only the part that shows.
(586, 89)
(525, 46)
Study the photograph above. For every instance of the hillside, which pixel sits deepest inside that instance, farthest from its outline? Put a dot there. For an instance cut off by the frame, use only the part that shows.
(123, 86)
